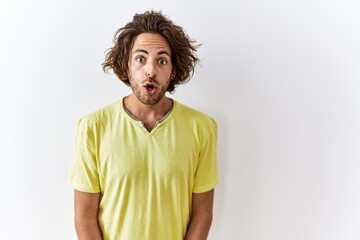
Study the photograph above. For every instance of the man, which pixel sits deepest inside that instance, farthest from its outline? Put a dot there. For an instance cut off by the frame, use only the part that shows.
(145, 167)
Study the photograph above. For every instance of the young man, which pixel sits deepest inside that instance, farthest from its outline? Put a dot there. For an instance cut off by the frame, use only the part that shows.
(145, 167)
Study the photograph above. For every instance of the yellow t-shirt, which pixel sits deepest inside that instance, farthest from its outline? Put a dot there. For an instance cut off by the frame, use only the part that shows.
(146, 179)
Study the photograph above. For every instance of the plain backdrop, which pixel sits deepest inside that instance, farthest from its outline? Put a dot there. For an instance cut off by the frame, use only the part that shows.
(281, 78)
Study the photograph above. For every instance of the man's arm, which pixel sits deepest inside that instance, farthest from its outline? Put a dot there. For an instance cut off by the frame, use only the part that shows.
(86, 215)
(201, 216)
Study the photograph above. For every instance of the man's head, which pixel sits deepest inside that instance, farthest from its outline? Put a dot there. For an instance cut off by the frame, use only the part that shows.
(183, 49)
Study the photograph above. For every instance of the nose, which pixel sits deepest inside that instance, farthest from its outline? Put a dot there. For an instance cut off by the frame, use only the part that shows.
(150, 71)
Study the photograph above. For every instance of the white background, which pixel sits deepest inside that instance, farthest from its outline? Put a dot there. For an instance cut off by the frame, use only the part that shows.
(280, 77)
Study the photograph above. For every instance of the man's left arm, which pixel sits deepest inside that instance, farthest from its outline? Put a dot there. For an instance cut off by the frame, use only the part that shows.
(201, 216)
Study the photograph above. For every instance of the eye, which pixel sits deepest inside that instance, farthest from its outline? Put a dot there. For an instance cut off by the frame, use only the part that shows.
(162, 61)
(140, 59)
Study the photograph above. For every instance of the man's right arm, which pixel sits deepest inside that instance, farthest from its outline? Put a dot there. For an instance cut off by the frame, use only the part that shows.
(86, 215)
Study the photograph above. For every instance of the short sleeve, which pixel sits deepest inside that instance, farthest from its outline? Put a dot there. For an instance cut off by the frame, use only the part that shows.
(84, 174)
(206, 175)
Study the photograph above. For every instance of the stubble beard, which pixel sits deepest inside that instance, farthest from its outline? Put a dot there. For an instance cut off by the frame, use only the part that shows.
(148, 99)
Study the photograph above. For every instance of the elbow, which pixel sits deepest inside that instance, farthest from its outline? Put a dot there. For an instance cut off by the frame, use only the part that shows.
(82, 223)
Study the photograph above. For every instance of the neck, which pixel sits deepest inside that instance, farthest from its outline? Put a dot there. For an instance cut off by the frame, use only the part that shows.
(148, 114)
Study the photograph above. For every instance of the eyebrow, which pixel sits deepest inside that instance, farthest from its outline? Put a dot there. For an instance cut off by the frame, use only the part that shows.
(146, 52)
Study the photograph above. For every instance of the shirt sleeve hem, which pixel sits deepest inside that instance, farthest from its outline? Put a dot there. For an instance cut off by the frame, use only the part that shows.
(205, 188)
(82, 188)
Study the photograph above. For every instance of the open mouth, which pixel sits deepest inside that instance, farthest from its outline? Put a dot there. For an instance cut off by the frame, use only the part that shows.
(150, 87)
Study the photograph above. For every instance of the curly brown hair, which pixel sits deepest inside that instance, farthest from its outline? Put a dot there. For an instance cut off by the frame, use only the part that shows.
(183, 49)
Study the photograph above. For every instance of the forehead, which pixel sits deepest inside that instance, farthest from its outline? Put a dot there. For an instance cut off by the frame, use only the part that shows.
(150, 42)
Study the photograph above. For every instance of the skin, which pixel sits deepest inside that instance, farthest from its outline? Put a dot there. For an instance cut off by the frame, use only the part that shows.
(149, 63)
(86, 215)
(201, 216)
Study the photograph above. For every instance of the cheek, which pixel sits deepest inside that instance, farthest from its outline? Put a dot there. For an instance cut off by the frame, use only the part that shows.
(167, 71)
(134, 71)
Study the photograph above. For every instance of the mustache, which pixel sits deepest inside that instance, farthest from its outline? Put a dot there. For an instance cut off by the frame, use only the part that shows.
(150, 80)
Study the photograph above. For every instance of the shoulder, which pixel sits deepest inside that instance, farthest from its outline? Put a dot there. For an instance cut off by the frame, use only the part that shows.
(100, 116)
(195, 117)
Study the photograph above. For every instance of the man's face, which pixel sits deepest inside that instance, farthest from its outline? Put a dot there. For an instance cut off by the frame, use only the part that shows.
(150, 67)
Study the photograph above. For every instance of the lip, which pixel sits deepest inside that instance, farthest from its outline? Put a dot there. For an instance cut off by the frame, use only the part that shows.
(150, 83)
(150, 91)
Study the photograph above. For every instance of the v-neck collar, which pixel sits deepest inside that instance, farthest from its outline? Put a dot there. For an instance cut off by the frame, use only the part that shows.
(141, 124)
